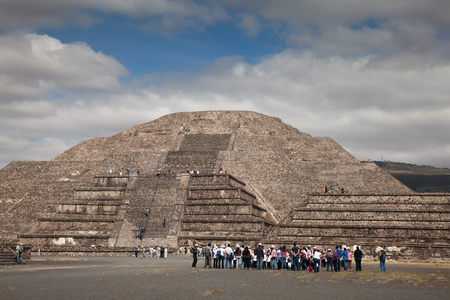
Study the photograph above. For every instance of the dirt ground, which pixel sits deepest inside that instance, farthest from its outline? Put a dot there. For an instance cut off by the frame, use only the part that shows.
(174, 278)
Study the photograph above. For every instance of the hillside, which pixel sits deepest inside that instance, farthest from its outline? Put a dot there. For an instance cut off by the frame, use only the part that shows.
(422, 179)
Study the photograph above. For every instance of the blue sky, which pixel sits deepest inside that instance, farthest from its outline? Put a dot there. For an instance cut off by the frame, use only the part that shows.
(372, 75)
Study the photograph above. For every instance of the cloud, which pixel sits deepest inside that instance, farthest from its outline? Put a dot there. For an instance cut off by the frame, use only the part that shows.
(31, 15)
(32, 66)
(371, 111)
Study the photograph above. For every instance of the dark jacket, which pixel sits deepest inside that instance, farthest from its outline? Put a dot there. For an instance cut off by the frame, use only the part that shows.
(259, 252)
(358, 254)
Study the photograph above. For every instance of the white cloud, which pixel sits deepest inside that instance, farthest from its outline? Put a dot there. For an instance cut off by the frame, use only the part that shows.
(371, 111)
(31, 66)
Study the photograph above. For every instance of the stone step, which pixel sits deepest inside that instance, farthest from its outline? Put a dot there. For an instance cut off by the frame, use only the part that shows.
(367, 215)
(69, 234)
(78, 218)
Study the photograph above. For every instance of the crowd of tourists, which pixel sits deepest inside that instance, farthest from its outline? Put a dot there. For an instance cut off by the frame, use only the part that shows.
(296, 258)
(152, 252)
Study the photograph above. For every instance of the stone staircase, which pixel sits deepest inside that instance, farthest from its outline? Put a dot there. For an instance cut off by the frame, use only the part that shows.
(218, 208)
(159, 194)
(7, 254)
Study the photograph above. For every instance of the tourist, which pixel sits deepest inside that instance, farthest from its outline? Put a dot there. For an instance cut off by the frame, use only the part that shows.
(273, 257)
(246, 256)
(208, 254)
(349, 260)
(304, 259)
(358, 257)
(238, 254)
(229, 257)
(310, 254)
(215, 257)
(19, 251)
(136, 251)
(337, 262)
(259, 254)
(194, 255)
(383, 260)
(295, 251)
(151, 252)
(329, 260)
(345, 258)
(284, 255)
(143, 252)
(323, 259)
(316, 258)
(221, 254)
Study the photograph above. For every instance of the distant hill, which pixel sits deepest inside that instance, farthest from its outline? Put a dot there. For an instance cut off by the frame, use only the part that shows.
(422, 179)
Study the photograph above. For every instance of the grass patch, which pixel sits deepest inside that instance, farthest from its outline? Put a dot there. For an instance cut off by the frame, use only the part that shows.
(210, 292)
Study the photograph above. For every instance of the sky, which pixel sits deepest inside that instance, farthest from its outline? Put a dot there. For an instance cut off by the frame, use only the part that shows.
(372, 75)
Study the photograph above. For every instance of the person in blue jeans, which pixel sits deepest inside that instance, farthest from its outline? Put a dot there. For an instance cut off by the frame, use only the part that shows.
(259, 253)
(229, 257)
(329, 260)
(19, 251)
(337, 267)
(345, 258)
(383, 261)
(295, 252)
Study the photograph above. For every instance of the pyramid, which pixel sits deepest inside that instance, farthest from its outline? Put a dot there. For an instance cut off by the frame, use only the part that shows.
(254, 174)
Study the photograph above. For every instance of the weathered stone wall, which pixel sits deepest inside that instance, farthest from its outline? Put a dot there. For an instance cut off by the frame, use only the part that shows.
(410, 222)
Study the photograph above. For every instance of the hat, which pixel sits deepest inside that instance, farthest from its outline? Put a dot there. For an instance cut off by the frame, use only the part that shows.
(318, 249)
(329, 249)
(259, 244)
(196, 244)
(272, 246)
(309, 246)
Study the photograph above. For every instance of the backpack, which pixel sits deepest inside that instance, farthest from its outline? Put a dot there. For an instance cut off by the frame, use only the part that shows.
(335, 256)
(219, 252)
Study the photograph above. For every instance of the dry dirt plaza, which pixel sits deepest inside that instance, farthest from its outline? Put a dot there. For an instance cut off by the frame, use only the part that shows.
(126, 277)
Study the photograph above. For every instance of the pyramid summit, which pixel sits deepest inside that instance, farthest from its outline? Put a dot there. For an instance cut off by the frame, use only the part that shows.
(254, 173)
